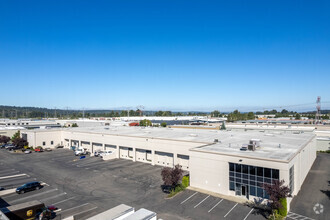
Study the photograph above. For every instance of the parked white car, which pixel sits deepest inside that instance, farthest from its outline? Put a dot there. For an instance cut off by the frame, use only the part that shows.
(105, 153)
(98, 153)
(80, 151)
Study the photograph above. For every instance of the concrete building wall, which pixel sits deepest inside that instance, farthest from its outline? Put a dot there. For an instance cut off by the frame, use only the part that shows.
(44, 139)
(160, 151)
(8, 132)
(210, 171)
(302, 162)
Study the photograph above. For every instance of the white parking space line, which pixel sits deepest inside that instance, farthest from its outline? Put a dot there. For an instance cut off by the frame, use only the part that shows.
(202, 201)
(63, 200)
(34, 195)
(230, 210)
(188, 198)
(52, 197)
(75, 207)
(85, 211)
(293, 215)
(12, 176)
(248, 214)
(44, 184)
(215, 205)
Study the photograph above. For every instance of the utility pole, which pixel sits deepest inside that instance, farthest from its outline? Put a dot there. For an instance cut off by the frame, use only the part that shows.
(318, 110)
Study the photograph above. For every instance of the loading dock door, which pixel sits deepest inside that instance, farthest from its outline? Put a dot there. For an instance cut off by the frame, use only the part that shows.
(141, 155)
(86, 145)
(97, 147)
(183, 161)
(123, 152)
(163, 159)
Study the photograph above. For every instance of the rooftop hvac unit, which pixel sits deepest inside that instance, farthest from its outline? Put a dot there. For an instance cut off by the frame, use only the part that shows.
(255, 142)
(252, 147)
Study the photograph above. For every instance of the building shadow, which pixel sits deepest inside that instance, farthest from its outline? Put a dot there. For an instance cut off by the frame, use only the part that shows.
(3, 203)
(260, 208)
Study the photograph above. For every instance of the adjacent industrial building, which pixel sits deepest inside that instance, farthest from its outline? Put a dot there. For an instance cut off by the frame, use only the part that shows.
(234, 162)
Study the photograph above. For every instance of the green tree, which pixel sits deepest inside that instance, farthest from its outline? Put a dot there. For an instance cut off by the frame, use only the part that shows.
(297, 116)
(74, 125)
(223, 126)
(215, 114)
(16, 136)
(123, 114)
(277, 192)
(163, 124)
(159, 113)
(145, 123)
(250, 116)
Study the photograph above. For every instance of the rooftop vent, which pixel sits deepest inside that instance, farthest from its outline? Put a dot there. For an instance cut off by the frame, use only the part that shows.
(253, 144)
(216, 140)
(296, 132)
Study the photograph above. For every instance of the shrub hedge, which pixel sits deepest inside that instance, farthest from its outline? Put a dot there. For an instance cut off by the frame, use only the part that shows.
(185, 181)
(283, 210)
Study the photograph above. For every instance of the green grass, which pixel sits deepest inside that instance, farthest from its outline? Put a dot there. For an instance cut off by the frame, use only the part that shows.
(178, 188)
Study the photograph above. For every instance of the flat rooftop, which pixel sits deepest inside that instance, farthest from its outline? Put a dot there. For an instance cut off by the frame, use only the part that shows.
(229, 141)
(273, 145)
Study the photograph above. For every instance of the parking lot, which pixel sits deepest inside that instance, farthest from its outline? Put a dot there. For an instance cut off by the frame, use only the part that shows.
(196, 205)
(85, 187)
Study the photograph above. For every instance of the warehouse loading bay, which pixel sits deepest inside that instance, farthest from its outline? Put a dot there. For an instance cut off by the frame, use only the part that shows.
(86, 187)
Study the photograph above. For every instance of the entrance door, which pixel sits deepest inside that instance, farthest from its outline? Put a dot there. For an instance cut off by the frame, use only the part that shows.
(245, 191)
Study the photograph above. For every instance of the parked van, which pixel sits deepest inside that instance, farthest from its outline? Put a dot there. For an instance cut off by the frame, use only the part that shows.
(105, 153)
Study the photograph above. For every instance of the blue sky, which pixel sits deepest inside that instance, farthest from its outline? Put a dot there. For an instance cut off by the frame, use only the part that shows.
(176, 55)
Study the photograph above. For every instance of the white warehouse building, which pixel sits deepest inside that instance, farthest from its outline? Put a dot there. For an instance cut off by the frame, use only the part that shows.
(232, 163)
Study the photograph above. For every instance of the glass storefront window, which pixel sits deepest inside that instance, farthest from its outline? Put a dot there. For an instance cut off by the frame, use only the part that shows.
(231, 167)
(231, 186)
(260, 171)
(267, 172)
(245, 169)
(238, 168)
(252, 190)
(250, 179)
(260, 192)
(252, 170)
(275, 174)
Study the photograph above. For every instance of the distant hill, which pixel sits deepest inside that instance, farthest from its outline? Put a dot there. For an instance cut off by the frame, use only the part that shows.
(35, 112)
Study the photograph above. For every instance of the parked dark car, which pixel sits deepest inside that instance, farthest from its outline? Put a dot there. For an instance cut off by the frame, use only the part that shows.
(10, 148)
(3, 146)
(167, 189)
(1, 188)
(28, 187)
